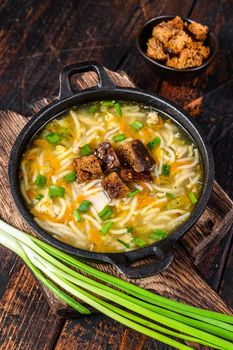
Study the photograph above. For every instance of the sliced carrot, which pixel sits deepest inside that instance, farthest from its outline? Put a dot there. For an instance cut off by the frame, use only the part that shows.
(175, 165)
(122, 124)
(95, 236)
(41, 142)
(31, 195)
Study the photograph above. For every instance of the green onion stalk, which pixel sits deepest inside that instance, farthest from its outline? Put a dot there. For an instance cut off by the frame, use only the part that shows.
(168, 321)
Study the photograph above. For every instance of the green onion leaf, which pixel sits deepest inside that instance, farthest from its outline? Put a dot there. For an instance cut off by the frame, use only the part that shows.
(53, 138)
(86, 150)
(107, 103)
(153, 143)
(70, 177)
(133, 193)
(166, 169)
(192, 197)
(127, 245)
(77, 215)
(56, 191)
(106, 213)
(106, 227)
(137, 308)
(170, 195)
(119, 137)
(136, 125)
(117, 107)
(93, 108)
(129, 229)
(84, 206)
(39, 197)
(158, 234)
(138, 241)
(41, 180)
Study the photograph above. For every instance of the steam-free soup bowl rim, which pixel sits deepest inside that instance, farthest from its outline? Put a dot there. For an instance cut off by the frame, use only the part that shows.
(105, 89)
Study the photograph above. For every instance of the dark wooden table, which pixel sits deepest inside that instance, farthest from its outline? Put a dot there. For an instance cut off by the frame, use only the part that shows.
(38, 38)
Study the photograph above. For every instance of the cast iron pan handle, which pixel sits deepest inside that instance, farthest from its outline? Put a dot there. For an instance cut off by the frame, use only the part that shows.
(164, 260)
(82, 67)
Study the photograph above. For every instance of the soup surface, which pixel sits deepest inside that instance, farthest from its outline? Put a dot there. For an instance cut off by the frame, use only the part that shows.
(111, 176)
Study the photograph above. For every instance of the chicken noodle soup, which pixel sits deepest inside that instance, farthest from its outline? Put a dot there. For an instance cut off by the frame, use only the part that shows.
(111, 176)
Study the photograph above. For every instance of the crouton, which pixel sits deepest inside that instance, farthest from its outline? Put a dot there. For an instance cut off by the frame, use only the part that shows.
(204, 51)
(155, 50)
(87, 168)
(187, 59)
(178, 42)
(107, 157)
(163, 32)
(114, 186)
(134, 154)
(198, 30)
(129, 175)
(177, 23)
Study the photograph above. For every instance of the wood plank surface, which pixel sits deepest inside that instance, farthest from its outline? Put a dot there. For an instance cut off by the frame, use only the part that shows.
(37, 40)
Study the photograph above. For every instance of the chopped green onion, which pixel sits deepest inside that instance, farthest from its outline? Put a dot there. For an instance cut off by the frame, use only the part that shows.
(106, 227)
(93, 108)
(86, 150)
(138, 241)
(129, 229)
(107, 216)
(41, 180)
(53, 137)
(166, 169)
(137, 125)
(107, 103)
(127, 245)
(170, 195)
(56, 191)
(84, 206)
(117, 107)
(119, 137)
(39, 197)
(158, 234)
(153, 143)
(192, 197)
(133, 193)
(77, 215)
(70, 177)
(106, 213)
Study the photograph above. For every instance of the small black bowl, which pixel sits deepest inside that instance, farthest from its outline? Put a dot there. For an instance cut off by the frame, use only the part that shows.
(173, 75)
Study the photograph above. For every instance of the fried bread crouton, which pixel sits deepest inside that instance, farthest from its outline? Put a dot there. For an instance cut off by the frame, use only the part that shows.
(187, 59)
(169, 40)
(177, 23)
(203, 50)
(87, 168)
(107, 157)
(129, 175)
(163, 32)
(178, 42)
(135, 155)
(155, 50)
(198, 30)
(114, 186)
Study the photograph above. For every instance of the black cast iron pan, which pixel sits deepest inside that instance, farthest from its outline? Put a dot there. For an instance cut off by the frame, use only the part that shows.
(105, 89)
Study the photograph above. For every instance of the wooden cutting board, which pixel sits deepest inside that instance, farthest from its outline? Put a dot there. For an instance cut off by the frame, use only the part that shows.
(181, 280)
